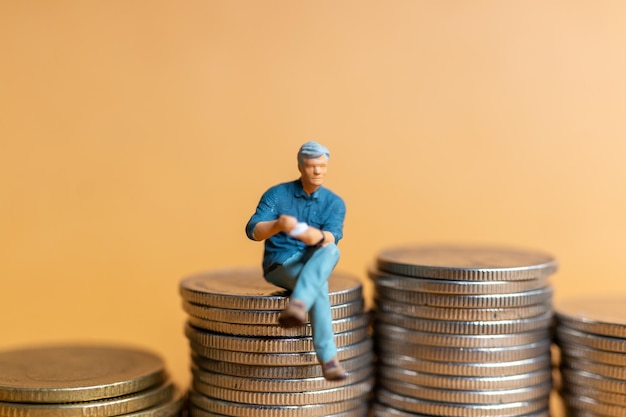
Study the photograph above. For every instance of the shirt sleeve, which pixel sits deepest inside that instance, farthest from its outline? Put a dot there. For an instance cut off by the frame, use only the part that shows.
(337, 215)
(266, 210)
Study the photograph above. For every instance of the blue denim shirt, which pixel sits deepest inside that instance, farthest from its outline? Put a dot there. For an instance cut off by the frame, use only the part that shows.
(323, 209)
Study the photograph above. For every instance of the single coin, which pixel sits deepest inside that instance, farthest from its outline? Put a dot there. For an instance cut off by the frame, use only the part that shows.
(589, 404)
(596, 394)
(467, 327)
(607, 371)
(461, 314)
(361, 411)
(600, 356)
(433, 408)
(468, 396)
(267, 345)
(472, 369)
(381, 410)
(448, 287)
(571, 376)
(247, 289)
(510, 300)
(262, 330)
(239, 409)
(466, 263)
(267, 317)
(604, 316)
(65, 374)
(465, 355)
(101, 408)
(277, 372)
(279, 359)
(329, 395)
(473, 383)
(291, 385)
(400, 334)
(565, 335)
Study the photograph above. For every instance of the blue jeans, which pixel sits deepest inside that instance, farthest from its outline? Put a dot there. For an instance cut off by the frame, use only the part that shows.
(306, 274)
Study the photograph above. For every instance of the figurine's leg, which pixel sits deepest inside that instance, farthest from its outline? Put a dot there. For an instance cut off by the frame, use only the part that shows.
(315, 273)
(321, 321)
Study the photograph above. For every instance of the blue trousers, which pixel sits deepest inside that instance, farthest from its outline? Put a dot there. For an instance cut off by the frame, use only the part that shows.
(306, 274)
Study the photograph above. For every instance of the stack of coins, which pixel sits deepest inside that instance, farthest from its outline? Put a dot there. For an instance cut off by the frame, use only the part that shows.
(98, 381)
(463, 331)
(244, 364)
(591, 335)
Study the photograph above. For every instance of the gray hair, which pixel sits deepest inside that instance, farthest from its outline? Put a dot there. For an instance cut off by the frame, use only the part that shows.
(312, 150)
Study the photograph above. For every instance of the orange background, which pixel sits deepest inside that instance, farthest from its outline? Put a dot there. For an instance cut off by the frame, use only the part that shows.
(137, 136)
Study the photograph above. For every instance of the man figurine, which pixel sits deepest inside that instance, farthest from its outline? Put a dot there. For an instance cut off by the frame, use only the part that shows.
(301, 222)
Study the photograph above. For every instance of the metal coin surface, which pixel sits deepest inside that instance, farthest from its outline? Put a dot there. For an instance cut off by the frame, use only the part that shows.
(100, 408)
(240, 409)
(607, 371)
(65, 374)
(449, 287)
(435, 408)
(329, 395)
(461, 314)
(467, 327)
(361, 411)
(466, 263)
(597, 395)
(604, 316)
(266, 317)
(472, 369)
(566, 335)
(247, 289)
(581, 352)
(511, 300)
(587, 379)
(277, 372)
(580, 402)
(279, 359)
(380, 410)
(262, 330)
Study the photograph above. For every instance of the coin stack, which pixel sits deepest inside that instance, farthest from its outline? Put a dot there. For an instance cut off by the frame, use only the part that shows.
(243, 364)
(81, 380)
(591, 335)
(462, 331)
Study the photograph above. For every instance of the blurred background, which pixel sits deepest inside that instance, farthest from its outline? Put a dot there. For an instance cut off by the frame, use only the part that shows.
(136, 138)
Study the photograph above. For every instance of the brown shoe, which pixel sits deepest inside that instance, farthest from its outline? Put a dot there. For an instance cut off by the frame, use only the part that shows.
(333, 371)
(294, 315)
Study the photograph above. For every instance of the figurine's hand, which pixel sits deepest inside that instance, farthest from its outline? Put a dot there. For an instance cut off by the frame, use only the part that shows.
(286, 223)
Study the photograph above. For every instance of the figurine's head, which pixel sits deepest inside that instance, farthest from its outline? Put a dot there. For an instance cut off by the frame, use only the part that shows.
(312, 164)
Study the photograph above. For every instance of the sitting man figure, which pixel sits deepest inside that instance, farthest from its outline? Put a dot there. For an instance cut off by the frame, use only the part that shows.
(301, 222)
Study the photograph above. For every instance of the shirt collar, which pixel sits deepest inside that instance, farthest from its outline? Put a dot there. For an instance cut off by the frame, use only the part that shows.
(300, 193)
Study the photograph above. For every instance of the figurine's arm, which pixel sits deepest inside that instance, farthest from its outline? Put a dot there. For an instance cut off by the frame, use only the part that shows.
(267, 229)
(314, 236)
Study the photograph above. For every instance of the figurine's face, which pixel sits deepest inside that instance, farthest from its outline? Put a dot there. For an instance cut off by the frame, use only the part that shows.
(313, 172)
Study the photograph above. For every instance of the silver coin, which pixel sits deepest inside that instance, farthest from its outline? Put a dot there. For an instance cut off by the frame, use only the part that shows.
(267, 345)
(433, 408)
(606, 371)
(278, 372)
(598, 315)
(100, 408)
(267, 317)
(329, 395)
(261, 330)
(510, 300)
(600, 356)
(467, 327)
(565, 335)
(466, 263)
(380, 410)
(247, 383)
(472, 369)
(72, 373)
(239, 409)
(466, 355)
(473, 383)
(587, 379)
(589, 404)
(279, 359)
(247, 289)
(461, 314)
(449, 287)
(596, 394)
(400, 334)
(487, 397)
(361, 411)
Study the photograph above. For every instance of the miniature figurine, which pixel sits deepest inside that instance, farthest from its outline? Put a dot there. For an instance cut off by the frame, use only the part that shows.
(301, 223)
